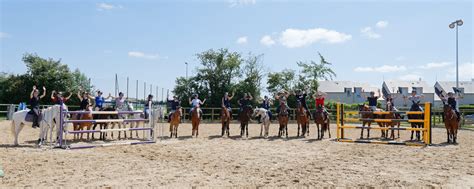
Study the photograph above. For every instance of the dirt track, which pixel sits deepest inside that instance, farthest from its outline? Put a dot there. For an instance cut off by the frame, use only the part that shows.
(234, 162)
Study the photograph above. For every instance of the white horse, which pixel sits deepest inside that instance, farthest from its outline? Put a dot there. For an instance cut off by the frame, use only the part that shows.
(18, 122)
(264, 118)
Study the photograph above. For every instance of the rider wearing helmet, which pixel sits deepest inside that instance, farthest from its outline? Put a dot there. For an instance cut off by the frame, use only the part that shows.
(196, 102)
(58, 98)
(415, 100)
(175, 103)
(266, 103)
(372, 99)
(319, 98)
(245, 101)
(282, 97)
(34, 105)
(301, 98)
(452, 100)
(226, 102)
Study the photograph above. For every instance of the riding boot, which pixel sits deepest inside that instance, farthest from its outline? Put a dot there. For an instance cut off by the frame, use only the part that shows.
(35, 118)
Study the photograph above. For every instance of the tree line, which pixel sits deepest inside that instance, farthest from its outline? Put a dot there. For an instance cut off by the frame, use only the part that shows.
(54, 75)
(221, 71)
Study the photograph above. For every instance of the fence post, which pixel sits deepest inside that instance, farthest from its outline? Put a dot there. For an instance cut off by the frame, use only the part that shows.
(212, 114)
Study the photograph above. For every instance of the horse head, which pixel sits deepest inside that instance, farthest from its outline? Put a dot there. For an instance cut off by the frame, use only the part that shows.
(415, 107)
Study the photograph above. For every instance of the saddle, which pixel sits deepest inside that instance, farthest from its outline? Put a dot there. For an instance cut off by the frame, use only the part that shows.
(31, 115)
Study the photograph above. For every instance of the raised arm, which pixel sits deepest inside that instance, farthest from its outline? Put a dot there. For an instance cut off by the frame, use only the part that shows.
(251, 97)
(190, 101)
(52, 94)
(44, 92)
(79, 95)
(68, 97)
(204, 101)
(33, 91)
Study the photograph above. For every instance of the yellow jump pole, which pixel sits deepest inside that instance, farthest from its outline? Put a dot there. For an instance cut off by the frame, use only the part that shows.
(427, 123)
(337, 121)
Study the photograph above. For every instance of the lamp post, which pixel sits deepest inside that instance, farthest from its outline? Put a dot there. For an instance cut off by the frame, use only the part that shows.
(453, 25)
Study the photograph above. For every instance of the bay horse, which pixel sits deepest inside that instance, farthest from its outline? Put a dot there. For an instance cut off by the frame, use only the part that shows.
(264, 118)
(416, 107)
(321, 119)
(225, 120)
(195, 120)
(174, 123)
(283, 120)
(82, 125)
(451, 123)
(244, 118)
(302, 119)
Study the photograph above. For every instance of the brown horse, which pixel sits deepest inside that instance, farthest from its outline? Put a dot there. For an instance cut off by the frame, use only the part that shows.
(390, 115)
(81, 126)
(103, 125)
(195, 120)
(366, 113)
(283, 120)
(244, 118)
(302, 120)
(174, 123)
(225, 120)
(451, 123)
(320, 118)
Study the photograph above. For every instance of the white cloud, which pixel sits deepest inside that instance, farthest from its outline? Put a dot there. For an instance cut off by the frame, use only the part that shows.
(369, 32)
(234, 3)
(293, 38)
(383, 69)
(105, 6)
(381, 24)
(466, 71)
(410, 77)
(435, 65)
(267, 41)
(139, 54)
(4, 35)
(242, 40)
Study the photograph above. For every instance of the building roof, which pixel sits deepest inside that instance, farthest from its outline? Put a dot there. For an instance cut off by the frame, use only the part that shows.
(449, 85)
(339, 86)
(393, 85)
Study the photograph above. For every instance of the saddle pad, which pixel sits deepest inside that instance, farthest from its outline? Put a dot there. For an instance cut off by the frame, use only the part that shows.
(30, 115)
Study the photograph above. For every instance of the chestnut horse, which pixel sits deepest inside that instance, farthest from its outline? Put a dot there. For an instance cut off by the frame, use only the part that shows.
(81, 126)
(195, 120)
(283, 120)
(366, 113)
(451, 123)
(302, 120)
(245, 116)
(321, 119)
(225, 120)
(174, 123)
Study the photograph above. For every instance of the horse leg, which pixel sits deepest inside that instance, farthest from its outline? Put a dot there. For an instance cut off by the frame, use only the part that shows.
(247, 130)
(412, 126)
(368, 129)
(455, 134)
(317, 127)
(398, 130)
(298, 134)
(362, 131)
(261, 128)
(286, 130)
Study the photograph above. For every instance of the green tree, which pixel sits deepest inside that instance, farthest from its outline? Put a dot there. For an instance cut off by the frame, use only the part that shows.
(284, 80)
(41, 72)
(314, 71)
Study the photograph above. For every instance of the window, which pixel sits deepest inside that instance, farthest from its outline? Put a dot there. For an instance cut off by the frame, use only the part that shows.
(348, 91)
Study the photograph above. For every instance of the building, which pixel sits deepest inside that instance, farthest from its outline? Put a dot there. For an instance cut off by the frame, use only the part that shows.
(401, 90)
(349, 92)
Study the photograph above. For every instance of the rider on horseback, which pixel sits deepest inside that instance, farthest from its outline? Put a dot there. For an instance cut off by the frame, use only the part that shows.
(148, 106)
(282, 97)
(58, 98)
(372, 99)
(415, 99)
(319, 98)
(84, 98)
(34, 105)
(301, 98)
(99, 101)
(245, 101)
(389, 99)
(226, 102)
(266, 103)
(174, 103)
(196, 103)
(452, 101)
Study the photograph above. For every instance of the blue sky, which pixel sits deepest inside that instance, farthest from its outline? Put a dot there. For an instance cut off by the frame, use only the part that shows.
(149, 41)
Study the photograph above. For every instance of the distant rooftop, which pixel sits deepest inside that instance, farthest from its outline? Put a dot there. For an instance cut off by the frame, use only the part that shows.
(338, 86)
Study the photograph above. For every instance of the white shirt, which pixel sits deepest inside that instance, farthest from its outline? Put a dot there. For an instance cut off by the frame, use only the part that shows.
(195, 102)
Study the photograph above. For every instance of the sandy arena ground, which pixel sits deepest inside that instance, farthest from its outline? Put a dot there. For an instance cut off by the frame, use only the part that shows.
(212, 161)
